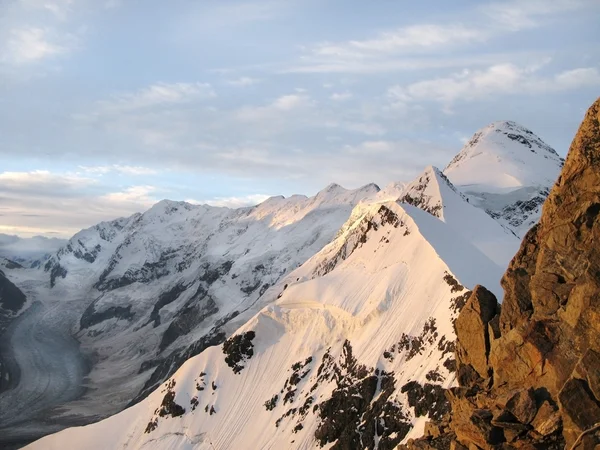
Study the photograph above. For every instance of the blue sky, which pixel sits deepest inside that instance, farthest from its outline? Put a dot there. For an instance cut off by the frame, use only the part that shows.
(107, 106)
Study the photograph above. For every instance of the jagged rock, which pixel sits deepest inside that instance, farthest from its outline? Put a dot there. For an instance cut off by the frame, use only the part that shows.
(578, 405)
(522, 406)
(486, 432)
(433, 430)
(547, 420)
(544, 349)
(472, 330)
(468, 376)
(588, 369)
(454, 445)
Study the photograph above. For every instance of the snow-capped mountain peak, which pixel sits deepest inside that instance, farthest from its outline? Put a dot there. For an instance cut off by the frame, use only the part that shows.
(504, 156)
(507, 170)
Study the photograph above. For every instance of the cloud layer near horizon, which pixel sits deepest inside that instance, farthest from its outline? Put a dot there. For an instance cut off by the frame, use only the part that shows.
(104, 109)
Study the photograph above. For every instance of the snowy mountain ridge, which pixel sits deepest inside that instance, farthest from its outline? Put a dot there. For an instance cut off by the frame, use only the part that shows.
(290, 374)
(294, 276)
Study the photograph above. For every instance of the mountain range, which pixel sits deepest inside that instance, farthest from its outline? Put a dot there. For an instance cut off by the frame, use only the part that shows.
(297, 323)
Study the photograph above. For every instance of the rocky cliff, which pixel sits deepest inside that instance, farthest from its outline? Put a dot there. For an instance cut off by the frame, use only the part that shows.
(529, 372)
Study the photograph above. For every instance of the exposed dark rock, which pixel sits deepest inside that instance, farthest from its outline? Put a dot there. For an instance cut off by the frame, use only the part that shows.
(238, 349)
(522, 406)
(163, 300)
(578, 404)
(11, 297)
(56, 270)
(271, 403)
(349, 419)
(455, 286)
(91, 317)
(427, 400)
(9, 264)
(167, 408)
(187, 319)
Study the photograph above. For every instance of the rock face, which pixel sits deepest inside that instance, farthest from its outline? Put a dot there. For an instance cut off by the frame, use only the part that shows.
(529, 375)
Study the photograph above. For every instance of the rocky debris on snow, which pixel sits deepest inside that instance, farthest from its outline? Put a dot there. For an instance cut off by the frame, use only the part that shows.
(167, 408)
(238, 349)
(412, 346)
(356, 412)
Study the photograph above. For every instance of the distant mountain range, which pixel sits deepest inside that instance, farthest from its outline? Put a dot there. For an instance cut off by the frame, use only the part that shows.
(297, 323)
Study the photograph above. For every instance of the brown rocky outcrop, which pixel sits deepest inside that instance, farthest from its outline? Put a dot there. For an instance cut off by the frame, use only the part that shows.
(529, 378)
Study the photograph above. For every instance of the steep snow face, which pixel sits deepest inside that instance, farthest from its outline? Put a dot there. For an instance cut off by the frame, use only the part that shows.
(152, 290)
(355, 350)
(434, 193)
(506, 170)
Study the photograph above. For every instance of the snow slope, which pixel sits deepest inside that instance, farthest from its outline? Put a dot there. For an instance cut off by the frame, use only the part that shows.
(356, 323)
(434, 193)
(506, 170)
(143, 294)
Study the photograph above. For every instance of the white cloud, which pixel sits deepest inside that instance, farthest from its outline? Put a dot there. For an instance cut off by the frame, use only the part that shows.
(388, 51)
(500, 79)
(122, 169)
(516, 15)
(284, 104)
(577, 78)
(30, 44)
(134, 195)
(43, 180)
(42, 202)
(158, 94)
(243, 82)
(340, 96)
(409, 39)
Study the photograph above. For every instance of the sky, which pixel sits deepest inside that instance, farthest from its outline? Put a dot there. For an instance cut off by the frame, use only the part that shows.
(108, 106)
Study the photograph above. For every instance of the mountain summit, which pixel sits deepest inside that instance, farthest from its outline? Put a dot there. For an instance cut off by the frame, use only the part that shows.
(507, 170)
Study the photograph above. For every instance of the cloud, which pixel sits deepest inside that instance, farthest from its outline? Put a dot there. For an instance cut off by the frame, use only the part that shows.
(340, 96)
(158, 94)
(125, 170)
(274, 110)
(577, 78)
(500, 79)
(233, 202)
(243, 82)
(41, 202)
(409, 39)
(389, 50)
(448, 43)
(516, 15)
(31, 44)
(42, 182)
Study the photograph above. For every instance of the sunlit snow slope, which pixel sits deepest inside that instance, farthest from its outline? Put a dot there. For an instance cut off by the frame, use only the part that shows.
(328, 361)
